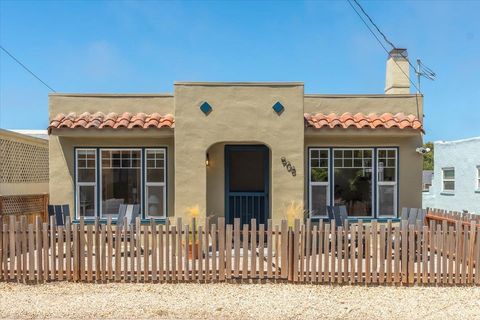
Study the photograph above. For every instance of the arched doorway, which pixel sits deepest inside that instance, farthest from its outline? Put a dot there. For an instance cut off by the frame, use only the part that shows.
(247, 183)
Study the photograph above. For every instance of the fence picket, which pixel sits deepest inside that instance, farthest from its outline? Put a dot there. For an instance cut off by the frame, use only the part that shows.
(153, 227)
(333, 241)
(221, 248)
(411, 253)
(68, 248)
(368, 235)
(269, 249)
(11, 241)
(201, 253)
(388, 252)
(76, 253)
(277, 252)
(253, 249)
(313, 260)
(236, 245)
(245, 252)
(284, 250)
(160, 253)
(96, 254)
(381, 275)
(360, 252)
(396, 258)
(186, 268)
(375, 252)
(228, 251)
(214, 252)
(89, 253)
(60, 252)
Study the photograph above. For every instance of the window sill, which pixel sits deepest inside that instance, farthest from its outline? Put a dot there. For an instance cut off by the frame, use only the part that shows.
(447, 193)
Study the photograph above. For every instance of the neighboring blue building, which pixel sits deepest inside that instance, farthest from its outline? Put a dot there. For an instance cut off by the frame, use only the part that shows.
(456, 180)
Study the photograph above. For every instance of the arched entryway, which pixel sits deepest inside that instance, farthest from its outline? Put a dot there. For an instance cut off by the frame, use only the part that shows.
(239, 174)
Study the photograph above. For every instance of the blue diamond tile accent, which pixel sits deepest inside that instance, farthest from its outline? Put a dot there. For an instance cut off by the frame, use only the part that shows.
(278, 107)
(206, 108)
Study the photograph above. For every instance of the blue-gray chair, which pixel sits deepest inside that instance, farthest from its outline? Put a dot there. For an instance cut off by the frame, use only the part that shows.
(61, 213)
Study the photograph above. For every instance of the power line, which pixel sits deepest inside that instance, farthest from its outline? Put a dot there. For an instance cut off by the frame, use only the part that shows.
(380, 42)
(25, 67)
(380, 31)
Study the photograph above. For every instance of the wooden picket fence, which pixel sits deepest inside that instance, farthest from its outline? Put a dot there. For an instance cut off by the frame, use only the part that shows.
(311, 252)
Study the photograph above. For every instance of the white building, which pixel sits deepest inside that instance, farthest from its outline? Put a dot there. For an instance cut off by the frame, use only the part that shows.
(456, 181)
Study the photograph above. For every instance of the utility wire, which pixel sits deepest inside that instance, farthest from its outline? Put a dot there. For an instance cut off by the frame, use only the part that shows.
(25, 67)
(380, 42)
(380, 31)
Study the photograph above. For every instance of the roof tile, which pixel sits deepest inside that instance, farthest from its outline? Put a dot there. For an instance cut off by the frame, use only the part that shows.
(359, 121)
(112, 120)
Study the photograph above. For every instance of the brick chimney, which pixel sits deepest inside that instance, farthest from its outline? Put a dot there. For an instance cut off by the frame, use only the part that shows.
(397, 81)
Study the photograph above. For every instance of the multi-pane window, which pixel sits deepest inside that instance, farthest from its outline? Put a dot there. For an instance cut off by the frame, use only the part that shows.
(86, 188)
(387, 182)
(345, 176)
(448, 175)
(155, 190)
(352, 180)
(478, 178)
(319, 181)
(121, 179)
(125, 176)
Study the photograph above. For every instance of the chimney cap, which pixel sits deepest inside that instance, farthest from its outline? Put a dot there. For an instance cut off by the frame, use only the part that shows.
(398, 53)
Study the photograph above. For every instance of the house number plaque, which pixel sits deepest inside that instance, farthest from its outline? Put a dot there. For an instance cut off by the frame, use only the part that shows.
(289, 166)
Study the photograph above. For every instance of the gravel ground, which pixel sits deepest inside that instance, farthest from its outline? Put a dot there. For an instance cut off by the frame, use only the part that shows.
(236, 301)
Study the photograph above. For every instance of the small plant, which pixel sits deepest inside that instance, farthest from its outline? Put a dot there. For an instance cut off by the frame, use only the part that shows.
(295, 210)
(193, 213)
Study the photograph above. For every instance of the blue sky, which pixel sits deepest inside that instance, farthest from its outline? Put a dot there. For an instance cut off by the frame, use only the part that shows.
(113, 46)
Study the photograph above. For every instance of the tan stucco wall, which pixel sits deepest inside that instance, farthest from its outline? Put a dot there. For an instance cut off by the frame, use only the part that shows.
(397, 79)
(241, 113)
(410, 162)
(62, 161)
(366, 104)
(106, 103)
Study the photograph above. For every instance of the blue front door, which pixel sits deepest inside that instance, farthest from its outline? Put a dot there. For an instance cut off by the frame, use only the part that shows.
(247, 183)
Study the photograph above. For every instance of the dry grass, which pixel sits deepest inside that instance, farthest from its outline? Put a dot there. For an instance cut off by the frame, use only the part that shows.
(236, 301)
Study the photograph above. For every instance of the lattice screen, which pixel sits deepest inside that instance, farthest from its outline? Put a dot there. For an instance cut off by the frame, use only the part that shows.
(22, 162)
(23, 204)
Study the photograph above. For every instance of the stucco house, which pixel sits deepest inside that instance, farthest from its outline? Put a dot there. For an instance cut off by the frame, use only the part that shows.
(248, 150)
(456, 178)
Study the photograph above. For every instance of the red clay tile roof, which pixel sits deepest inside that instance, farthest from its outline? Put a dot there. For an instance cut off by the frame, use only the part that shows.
(112, 120)
(359, 120)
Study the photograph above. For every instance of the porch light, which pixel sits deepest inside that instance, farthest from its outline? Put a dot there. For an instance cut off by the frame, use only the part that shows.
(207, 160)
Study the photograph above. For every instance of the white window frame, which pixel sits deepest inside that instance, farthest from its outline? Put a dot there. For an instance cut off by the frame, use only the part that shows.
(387, 183)
(85, 184)
(478, 179)
(447, 180)
(372, 149)
(99, 159)
(316, 183)
(156, 184)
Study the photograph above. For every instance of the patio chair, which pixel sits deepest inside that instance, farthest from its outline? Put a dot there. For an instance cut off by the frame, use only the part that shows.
(341, 215)
(129, 211)
(61, 212)
(404, 214)
(330, 213)
(421, 215)
(412, 216)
